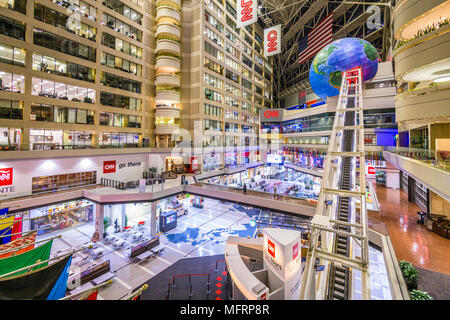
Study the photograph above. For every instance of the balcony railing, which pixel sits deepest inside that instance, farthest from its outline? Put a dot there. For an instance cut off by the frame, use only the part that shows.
(435, 158)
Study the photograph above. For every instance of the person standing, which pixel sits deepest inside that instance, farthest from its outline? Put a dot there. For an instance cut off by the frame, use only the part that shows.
(245, 188)
(274, 191)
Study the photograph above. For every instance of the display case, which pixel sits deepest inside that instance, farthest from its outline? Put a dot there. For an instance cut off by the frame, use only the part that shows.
(421, 196)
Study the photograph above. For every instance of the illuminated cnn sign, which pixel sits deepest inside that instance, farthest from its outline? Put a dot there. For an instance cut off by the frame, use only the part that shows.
(271, 115)
(272, 40)
(295, 251)
(246, 12)
(6, 176)
(271, 248)
(109, 166)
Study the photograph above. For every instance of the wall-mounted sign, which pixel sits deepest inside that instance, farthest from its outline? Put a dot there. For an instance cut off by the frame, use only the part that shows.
(272, 40)
(271, 115)
(6, 176)
(295, 251)
(109, 166)
(370, 171)
(246, 12)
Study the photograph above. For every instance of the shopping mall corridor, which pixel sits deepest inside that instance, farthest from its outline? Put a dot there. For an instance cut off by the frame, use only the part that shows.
(412, 241)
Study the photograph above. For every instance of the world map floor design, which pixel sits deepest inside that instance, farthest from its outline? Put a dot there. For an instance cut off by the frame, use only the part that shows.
(236, 222)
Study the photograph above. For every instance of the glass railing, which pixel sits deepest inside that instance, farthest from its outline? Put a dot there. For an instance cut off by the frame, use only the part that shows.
(438, 159)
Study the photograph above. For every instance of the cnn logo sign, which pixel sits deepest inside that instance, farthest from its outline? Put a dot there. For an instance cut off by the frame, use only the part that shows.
(109, 166)
(6, 176)
(271, 114)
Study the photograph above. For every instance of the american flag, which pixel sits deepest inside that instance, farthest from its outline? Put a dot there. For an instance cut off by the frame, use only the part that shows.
(316, 39)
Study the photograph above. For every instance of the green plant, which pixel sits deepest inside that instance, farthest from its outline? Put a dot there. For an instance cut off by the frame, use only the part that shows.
(410, 274)
(420, 295)
(106, 224)
(427, 29)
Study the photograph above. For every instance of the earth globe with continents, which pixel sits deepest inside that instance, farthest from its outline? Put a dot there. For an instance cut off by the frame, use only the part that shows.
(325, 74)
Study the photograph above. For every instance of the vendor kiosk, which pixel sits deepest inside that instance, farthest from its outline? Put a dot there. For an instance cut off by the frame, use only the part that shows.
(168, 220)
(197, 202)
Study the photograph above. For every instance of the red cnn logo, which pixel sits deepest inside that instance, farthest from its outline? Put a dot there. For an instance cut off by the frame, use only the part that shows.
(264, 296)
(272, 38)
(371, 170)
(271, 113)
(271, 248)
(109, 166)
(246, 10)
(295, 251)
(6, 176)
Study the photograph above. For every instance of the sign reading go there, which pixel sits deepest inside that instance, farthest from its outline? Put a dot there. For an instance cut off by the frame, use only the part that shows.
(272, 40)
(246, 12)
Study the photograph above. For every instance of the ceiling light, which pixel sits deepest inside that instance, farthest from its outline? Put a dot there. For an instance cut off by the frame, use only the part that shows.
(442, 79)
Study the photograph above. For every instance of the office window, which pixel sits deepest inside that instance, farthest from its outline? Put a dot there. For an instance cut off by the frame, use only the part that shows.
(216, 53)
(213, 95)
(10, 109)
(12, 28)
(12, 55)
(213, 36)
(211, 65)
(55, 42)
(213, 21)
(212, 81)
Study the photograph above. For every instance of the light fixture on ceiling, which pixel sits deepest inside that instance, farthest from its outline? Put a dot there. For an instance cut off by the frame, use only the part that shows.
(442, 79)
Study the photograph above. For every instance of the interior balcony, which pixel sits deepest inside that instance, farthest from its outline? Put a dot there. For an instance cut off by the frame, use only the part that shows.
(165, 29)
(164, 128)
(167, 64)
(170, 3)
(410, 16)
(167, 79)
(167, 112)
(168, 45)
(167, 97)
(169, 12)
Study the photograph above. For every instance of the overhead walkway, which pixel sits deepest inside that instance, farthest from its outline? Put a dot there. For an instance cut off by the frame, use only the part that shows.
(294, 206)
(336, 228)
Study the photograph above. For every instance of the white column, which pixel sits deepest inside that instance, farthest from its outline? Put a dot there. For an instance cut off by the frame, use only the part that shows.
(153, 218)
(99, 212)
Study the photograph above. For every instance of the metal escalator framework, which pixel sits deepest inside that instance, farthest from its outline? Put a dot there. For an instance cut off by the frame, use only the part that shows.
(337, 227)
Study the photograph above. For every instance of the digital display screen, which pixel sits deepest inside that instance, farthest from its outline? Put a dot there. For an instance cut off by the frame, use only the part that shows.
(274, 158)
(170, 219)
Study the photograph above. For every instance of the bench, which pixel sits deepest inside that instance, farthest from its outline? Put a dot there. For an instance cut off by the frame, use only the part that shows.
(91, 276)
(117, 243)
(97, 252)
(155, 246)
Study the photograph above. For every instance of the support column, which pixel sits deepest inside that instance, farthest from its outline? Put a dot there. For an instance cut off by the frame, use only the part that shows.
(153, 218)
(123, 215)
(99, 213)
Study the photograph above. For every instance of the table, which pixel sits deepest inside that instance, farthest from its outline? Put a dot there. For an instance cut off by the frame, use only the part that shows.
(104, 277)
(97, 251)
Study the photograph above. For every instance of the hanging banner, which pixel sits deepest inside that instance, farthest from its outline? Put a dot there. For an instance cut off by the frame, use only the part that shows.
(246, 12)
(272, 40)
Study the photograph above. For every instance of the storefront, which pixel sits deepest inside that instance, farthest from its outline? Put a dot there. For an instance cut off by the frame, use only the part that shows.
(60, 216)
(119, 217)
(211, 161)
(174, 164)
(231, 159)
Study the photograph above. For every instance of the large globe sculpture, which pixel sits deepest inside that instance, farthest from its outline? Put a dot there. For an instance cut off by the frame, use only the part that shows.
(325, 74)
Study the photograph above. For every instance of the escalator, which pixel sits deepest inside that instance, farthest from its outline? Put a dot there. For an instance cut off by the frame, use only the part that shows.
(339, 277)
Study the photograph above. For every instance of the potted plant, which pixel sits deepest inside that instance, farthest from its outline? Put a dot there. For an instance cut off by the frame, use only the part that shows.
(420, 295)
(410, 274)
(105, 225)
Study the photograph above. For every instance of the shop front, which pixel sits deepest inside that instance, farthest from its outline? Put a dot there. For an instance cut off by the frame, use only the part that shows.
(59, 216)
(231, 159)
(211, 161)
(174, 164)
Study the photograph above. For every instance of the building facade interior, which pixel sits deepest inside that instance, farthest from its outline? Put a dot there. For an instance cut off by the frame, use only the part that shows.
(158, 150)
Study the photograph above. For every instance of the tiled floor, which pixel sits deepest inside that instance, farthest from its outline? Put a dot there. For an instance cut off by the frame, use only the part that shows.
(412, 241)
(202, 232)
